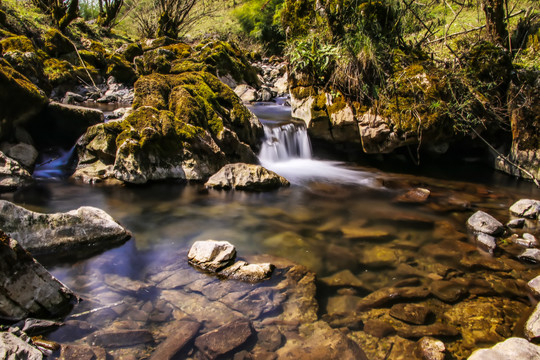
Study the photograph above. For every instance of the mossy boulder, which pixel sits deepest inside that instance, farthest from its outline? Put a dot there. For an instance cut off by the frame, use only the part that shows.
(120, 69)
(29, 64)
(149, 144)
(17, 43)
(155, 61)
(227, 62)
(24, 98)
(59, 72)
(56, 43)
(130, 51)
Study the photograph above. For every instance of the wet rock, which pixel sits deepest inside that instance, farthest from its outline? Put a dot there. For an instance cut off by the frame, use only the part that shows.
(86, 227)
(516, 223)
(247, 93)
(82, 352)
(448, 291)
(534, 286)
(342, 304)
(411, 313)
(530, 255)
(342, 279)
(124, 284)
(211, 255)
(224, 339)
(482, 222)
(486, 242)
(378, 328)
(255, 303)
(379, 256)
(243, 271)
(12, 347)
(437, 329)
(512, 348)
(180, 334)
(26, 288)
(388, 295)
(120, 338)
(12, 174)
(478, 262)
(418, 195)
(532, 327)
(72, 330)
(359, 233)
(526, 208)
(269, 338)
(246, 177)
(24, 154)
(531, 238)
(301, 305)
(317, 341)
(430, 349)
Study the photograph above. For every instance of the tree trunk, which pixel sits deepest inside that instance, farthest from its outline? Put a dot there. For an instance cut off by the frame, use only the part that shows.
(495, 21)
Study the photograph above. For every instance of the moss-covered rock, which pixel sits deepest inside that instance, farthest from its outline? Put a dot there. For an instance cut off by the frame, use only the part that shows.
(56, 44)
(59, 72)
(150, 144)
(158, 60)
(29, 64)
(17, 43)
(24, 98)
(130, 51)
(120, 69)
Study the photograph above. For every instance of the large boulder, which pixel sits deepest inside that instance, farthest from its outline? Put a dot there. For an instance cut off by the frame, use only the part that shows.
(13, 347)
(62, 124)
(12, 174)
(246, 177)
(512, 348)
(61, 233)
(26, 288)
(526, 208)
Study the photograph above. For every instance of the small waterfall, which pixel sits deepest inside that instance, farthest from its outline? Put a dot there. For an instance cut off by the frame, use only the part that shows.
(56, 165)
(285, 142)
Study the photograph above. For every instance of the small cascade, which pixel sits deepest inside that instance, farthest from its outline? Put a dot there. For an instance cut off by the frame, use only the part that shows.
(285, 142)
(56, 166)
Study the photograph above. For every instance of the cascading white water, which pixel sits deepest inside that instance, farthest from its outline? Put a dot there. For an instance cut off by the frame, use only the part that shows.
(285, 142)
(286, 150)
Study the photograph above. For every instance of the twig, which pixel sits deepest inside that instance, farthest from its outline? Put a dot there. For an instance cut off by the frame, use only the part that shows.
(97, 309)
(83, 64)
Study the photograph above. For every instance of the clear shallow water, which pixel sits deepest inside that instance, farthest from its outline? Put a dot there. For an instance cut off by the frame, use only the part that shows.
(331, 219)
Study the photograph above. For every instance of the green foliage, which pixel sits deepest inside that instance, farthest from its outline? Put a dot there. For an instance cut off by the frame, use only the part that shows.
(260, 19)
(312, 57)
(89, 9)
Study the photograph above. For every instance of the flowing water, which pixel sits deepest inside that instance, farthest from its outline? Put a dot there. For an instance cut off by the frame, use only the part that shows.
(335, 217)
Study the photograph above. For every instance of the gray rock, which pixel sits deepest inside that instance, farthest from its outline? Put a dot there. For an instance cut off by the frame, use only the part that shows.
(72, 98)
(264, 94)
(243, 271)
(12, 174)
(486, 242)
(26, 288)
(530, 255)
(428, 348)
(25, 154)
(247, 93)
(524, 242)
(61, 232)
(241, 176)
(12, 347)
(532, 327)
(516, 223)
(534, 286)
(530, 237)
(211, 255)
(482, 222)
(512, 348)
(526, 208)
(224, 339)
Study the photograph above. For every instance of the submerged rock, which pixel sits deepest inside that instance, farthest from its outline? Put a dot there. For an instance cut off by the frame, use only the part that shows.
(61, 233)
(12, 174)
(512, 348)
(411, 313)
(246, 177)
(224, 339)
(181, 333)
(428, 348)
(211, 255)
(482, 222)
(526, 208)
(418, 195)
(12, 347)
(26, 288)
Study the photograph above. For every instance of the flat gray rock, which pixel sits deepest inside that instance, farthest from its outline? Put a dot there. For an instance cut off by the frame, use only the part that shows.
(12, 347)
(249, 177)
(61, 233)
(512, 348)
(527, 208)
(211, 255)
(481, 222)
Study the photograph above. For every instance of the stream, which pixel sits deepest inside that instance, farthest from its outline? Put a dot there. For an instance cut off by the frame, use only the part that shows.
(335, 219)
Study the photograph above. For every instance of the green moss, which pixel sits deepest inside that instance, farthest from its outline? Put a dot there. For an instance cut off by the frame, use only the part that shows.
(155, 61)
(186, 65)
(95, 46)
(120, 69)
(152, 90)
(58, 71)
(132, 50)
(181, 50)
(93, 58)
(17, 43)
(56, 44)
(301, 92)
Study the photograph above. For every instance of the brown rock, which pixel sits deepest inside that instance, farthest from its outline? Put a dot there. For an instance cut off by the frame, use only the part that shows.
(411, 313)
(181, 333)
(437, 329)
(430, 349)
(448, 291)
(224, 339)
(120, 338)
(378, 328)
(388, 295)
(417, 195)
(82, 352)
